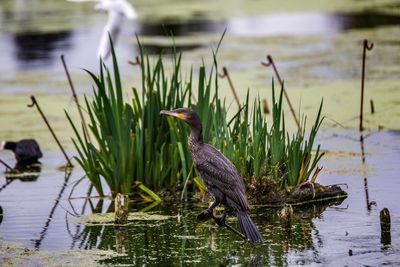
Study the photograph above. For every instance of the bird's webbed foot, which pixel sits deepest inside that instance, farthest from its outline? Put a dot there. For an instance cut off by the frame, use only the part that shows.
(207, 213)
(221, 221)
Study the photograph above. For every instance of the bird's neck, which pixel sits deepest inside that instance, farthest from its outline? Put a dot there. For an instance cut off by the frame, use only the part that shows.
(196, 137)
(114, 21)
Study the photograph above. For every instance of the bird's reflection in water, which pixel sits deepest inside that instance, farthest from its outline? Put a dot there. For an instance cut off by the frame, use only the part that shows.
(1, 214)
(173, 241)
(24, 173)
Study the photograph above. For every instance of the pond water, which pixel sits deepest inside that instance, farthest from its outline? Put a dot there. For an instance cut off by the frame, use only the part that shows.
(317, 49)
(39, 215)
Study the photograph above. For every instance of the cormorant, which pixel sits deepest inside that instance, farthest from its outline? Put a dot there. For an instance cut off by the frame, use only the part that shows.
(27, 151)
(219, 175)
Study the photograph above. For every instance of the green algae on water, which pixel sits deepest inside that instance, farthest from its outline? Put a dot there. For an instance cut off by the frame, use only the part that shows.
(15, 254)
(108, 218)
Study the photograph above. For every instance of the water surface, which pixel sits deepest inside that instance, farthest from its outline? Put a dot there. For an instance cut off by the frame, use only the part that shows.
(317, 50)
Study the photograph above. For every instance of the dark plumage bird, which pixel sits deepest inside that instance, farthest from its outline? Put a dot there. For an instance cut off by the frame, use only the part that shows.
(27, 151)
(218, 174)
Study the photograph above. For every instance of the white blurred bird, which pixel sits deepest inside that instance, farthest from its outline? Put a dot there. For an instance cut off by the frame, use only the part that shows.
(117, 10)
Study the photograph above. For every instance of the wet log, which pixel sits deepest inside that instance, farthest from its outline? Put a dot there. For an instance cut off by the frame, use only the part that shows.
(121, 208)
(313, 192)
(385, 227)
(307, 193)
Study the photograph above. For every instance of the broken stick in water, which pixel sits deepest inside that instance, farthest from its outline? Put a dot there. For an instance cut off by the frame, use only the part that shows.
(35, 103)
(121, 208)
(385, 227)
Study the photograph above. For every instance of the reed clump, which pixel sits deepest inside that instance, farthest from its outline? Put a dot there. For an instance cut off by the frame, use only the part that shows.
(139, 153)
(290, 160)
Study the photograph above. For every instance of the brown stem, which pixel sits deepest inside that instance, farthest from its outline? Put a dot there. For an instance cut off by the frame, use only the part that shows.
(371, 102)
(86, 132)
(362, 149)
(265, 106)
(136, 62)
(366, 47)
(35, 103)
(8, 181)
(42, 235)
(224, 74)
(367, 194)
(270, 62)
(5, 164)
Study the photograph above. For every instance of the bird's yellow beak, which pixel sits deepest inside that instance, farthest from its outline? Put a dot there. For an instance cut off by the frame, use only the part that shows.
(178, 115)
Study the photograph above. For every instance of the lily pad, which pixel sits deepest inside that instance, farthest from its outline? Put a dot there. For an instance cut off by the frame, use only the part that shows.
(108, 218)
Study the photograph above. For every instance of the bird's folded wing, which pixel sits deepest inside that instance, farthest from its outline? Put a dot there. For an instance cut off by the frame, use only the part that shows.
(223, 175)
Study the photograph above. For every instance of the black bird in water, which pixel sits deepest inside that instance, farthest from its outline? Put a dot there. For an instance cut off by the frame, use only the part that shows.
(219, 175)
(27, 151)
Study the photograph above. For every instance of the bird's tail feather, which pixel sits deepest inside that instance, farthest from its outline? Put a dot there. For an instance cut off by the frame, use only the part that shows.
(248, 228)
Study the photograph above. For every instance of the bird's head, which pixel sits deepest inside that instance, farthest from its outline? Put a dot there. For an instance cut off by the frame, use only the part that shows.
(121, 7)
(185, 114)
(105, 6)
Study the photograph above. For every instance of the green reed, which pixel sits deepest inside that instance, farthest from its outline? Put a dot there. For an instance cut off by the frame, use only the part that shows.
(290, 160)
(138, 152)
